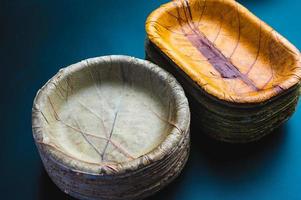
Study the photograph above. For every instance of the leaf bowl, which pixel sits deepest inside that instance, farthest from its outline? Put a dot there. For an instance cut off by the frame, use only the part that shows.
(112, 127)
(242, 76)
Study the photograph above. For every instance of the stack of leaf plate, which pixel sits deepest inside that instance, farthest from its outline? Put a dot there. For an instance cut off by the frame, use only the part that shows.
(242, 78)
(112, 127)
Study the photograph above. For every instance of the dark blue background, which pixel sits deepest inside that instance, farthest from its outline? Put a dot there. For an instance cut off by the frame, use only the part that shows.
(37, 37)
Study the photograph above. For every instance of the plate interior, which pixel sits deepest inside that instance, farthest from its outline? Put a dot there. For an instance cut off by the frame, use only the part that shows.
(108, 113)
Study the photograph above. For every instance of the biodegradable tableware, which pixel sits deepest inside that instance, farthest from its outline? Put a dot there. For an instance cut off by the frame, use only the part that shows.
(112, 127)
(241, 75)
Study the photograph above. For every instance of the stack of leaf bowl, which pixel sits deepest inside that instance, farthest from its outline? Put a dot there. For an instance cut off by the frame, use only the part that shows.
(112, 127)
(240, 75)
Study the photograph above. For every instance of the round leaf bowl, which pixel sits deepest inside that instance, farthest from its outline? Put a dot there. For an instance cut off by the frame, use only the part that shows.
(112, 127)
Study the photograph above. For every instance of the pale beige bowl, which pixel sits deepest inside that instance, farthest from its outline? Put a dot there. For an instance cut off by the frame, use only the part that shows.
(112, 127)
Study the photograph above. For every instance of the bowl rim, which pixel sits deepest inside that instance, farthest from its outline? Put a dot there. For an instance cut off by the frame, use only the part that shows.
(259, 97)
(179, 130)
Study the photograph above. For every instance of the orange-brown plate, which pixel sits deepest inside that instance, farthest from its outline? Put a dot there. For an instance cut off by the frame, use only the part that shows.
(225, 49)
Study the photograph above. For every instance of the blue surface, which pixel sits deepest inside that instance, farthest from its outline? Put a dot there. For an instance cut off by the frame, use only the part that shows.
(37, 37)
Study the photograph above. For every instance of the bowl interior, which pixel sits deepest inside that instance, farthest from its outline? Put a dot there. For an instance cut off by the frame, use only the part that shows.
(107, 111)
(224, 48)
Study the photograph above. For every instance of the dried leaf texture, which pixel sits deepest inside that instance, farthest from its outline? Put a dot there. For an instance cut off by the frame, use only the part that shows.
(106, 112)
(225, 49)
(112, 127)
